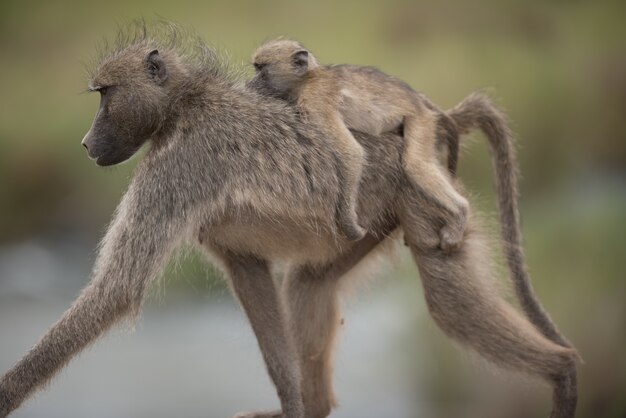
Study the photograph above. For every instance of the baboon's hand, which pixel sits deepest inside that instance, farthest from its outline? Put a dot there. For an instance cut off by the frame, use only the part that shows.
(271, 414)
(4, 402)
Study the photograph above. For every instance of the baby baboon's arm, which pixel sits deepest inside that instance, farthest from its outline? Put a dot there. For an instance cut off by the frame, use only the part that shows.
(318, 102)
(352, 161)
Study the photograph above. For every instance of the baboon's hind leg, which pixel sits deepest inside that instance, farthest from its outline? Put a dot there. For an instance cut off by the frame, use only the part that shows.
(311, 296)
(313, 308)
(466, 306)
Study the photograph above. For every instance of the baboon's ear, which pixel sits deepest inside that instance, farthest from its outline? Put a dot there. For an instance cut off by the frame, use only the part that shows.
(301, 59)
(156, 67)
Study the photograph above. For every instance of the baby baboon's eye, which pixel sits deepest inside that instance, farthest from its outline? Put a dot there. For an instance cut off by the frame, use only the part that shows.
(258, 66)
(103, 90)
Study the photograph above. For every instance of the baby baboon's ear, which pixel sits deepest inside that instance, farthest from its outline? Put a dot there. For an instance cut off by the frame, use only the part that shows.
(300, 59)
(156, 67)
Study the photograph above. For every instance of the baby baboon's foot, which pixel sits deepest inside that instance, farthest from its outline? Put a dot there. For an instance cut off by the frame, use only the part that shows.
(353, 232)
(265, 414)
(450, 238)
(347, 221)
(451, 234)
(348, 225)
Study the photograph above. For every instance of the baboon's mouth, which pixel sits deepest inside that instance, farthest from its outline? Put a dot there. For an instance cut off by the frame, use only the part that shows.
(104, 160)
(100, 159)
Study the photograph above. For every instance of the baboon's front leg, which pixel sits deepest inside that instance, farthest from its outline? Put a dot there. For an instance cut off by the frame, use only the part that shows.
(131, 255)
(254, 287)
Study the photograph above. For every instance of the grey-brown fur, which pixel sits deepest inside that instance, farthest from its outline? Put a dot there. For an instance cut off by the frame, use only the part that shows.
(343, 97)
(477, 111)
(260, 185)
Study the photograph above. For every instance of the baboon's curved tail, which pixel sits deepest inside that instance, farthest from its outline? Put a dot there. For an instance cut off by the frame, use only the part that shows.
(478, 111)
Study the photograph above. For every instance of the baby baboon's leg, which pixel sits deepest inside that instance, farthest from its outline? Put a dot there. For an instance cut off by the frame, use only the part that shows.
(311, 296)
(350, 169)
(255, 289)
(461, 298)
(422, 167)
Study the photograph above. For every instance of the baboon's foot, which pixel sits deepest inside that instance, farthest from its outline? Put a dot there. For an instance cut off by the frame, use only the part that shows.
(319, 411)
(264, 414)
(451, 234)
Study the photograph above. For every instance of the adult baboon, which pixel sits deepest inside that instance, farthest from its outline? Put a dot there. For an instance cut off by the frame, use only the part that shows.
(262, 186)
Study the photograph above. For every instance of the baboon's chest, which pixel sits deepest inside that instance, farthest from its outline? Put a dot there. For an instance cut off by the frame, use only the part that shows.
(273, 239)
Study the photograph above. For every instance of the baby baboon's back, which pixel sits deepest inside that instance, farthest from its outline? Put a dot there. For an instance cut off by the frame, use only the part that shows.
(372, 101)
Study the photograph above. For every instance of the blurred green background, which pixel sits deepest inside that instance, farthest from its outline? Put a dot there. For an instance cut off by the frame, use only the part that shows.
(558, 68)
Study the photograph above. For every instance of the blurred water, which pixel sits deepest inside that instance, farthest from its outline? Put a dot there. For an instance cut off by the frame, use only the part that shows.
(193, 356)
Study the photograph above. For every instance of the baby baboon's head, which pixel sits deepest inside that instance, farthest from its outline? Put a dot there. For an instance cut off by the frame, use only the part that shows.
(134, 85)
(281, 65)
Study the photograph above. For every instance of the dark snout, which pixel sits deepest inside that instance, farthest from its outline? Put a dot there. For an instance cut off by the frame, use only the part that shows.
(107, 150)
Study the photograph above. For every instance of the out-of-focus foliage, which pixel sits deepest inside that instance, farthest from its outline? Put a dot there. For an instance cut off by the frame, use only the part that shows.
(558, 68)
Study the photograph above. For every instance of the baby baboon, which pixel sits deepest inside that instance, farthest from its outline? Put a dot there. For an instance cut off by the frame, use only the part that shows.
(364, 99)
(257, 181)
(343, 97)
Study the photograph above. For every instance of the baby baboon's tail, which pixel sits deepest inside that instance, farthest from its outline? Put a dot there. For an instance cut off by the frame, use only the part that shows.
(478, 111)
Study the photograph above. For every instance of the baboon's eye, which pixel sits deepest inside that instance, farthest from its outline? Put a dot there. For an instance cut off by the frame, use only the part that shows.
(258, 66)
(103, 90)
